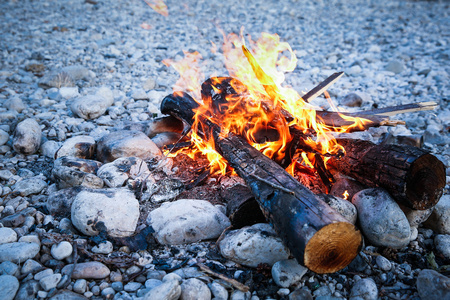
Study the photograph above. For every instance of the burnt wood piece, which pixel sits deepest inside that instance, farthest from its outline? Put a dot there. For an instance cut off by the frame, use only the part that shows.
(411, 175)
(318, 236)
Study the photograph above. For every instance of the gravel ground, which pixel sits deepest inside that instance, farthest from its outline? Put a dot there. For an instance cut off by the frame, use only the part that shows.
(393, 52)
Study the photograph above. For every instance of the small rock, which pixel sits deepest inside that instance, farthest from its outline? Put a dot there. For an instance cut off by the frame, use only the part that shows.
(381, 219)
(300, 294)
(287, 272)
(31, 266)
(60, 202)
(108, 292)
(18, 252)
(432, 285)
(364, 289)
(105, 247)
(219, 291)
(87, 270)
(439, 219)
(113, 210)
(116, 173)
(149, 84)
(68, 92)
(126, 143)
(77, 72)
(169, 290)
(7, 235)
(193, 289)
(71, 171)
(352, 100)
(50, 282)
(117, 286)
(44, 273)
(152, 283)
(166, 138)
(187, 221)
(15, 104)
(29, 186)
(49, 148)
(132, 287)
(383, 263)
(442, 242)
(67, 295)
(91, 106)
(9, 268)
(80, 286)
(62, 250)
(139, 94)
(27, 290)
(395, 66)
(253, 245)
(9, 285)
(4, 137)
(239, 295)
(344, 207)
(80, 146)
(27, 137)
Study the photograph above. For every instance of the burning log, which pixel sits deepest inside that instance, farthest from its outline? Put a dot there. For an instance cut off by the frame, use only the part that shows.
(411, 175)
(317, 235)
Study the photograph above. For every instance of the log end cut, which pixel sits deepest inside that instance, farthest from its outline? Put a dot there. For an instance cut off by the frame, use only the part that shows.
(332, 248)
(425, 182)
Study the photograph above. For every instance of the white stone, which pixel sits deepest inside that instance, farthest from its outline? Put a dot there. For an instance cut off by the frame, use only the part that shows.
(49, 148)
(50, 282)
(62, 250)
(93, 106)
(27, 137)
(381, 219)
(169, 290)
(4, 137)
(87, 270)
(253, 245)
(80, 286)
(7, 235)
(82, 146)
(115, 209)
(219, 291)
(187, 221)
(68, 92)
(439, 219)
(193, 289)
(116, 173)
(9, 285)
(432, 285)
(442, 242)
(287, 272)
(364, 289)
(383, 263)
(105, 247)
(30, 186)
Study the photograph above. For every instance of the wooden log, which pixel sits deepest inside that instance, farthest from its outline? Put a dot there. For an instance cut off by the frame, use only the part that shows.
(414, 177)
(318, 236)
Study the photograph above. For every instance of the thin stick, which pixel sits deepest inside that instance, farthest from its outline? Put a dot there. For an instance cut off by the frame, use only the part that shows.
(321, 87)
(235, 283)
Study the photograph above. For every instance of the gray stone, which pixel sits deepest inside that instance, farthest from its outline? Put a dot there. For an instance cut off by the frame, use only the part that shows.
(132, 287)
(383, 263)
(29, 186)
(77, 72)
(253, 245)
(287, 272)
(16, 104)
(80, 286)
(9, 268)
(7, 235)
(395, 66)
(352, 100)
(188, 272)
(442, 243)
(300, 294)
(31, 266)
(61, 250)
(187, 221)
(108, 292)
(67, 295)
(60, 202)
(193, 289)
(126, 143)
(439, 219)
(342, 206)
(50, 282)
(27, 290)
(152, 283)
(239, 295)
(105, 247)
(169, 290)
(87, 270)
(81, 146)
(4, 137)
(219, 291)
(27, 137)
(49, 148)
(44, 273)
(9, 285)
(92, 106)
(114, 210)
(381, 219)
(116, 173)
(364, 289)
(68, 92)
(432, 285)
(171, 276)
(18, 252)
(117, 286)
(71, 171)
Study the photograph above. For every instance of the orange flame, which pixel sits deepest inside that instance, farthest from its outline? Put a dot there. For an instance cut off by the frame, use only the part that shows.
(254, 107)
(159, 6)
(345, 195)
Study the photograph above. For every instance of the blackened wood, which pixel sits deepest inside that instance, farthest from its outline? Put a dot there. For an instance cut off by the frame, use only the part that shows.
(318, 236)
(411, 175)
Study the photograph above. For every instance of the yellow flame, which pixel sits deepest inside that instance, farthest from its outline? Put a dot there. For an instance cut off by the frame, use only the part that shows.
(345, 195)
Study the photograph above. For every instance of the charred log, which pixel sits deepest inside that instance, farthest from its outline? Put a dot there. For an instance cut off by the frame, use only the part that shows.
(411, 175)
(318, 236)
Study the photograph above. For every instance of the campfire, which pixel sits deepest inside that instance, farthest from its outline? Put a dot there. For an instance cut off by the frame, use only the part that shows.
(272, 137)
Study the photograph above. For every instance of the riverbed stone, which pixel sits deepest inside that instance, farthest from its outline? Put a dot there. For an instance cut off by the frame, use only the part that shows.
(439, 219)
(27, 137)
(87, 270)
(81, 146)
(287, 272)
(9, 285)
(94, 105)
(193, 289)
(7, 235)
(18, 252)
(432, 285)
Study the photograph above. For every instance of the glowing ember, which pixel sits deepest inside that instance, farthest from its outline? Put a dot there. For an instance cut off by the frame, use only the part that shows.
(159, 6)
(345, 195)
(254, 103)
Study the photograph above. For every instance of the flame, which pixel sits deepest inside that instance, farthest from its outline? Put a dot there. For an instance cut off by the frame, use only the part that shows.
(159, 6)
(256, 103)
(345, 195)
